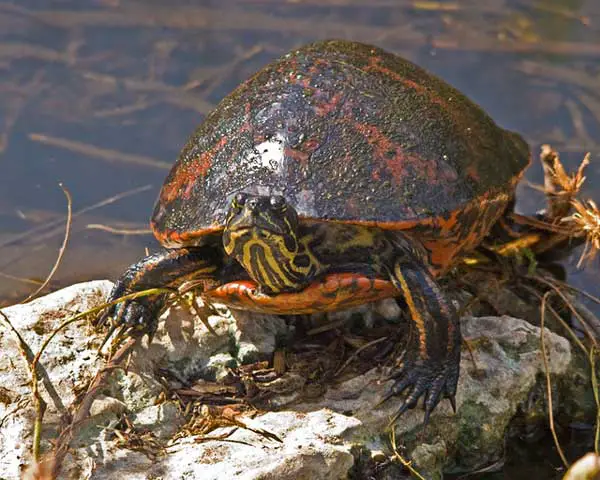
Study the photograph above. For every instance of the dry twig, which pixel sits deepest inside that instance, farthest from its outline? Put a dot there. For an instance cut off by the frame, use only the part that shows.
(209, 418)
(97, 152)
(53, 462)
(357, 353)
(118, 231)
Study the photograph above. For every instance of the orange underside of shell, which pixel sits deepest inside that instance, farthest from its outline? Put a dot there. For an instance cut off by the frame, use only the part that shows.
(336, 291)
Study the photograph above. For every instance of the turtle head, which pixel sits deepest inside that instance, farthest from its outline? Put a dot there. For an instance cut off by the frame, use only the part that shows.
(261, 232)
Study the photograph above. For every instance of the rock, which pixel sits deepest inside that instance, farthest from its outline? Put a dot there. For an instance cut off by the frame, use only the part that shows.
(313, 448)
(189, 350)
(186, 346)
(504, 368)
(431, 458)
(104, 405)
(320, 437)
(163, 420)
(66, 364)
(257, 335)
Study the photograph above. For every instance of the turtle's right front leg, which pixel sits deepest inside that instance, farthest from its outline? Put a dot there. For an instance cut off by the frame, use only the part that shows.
(166, 268)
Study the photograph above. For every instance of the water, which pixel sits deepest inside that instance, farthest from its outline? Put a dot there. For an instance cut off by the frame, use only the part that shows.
(100, 95)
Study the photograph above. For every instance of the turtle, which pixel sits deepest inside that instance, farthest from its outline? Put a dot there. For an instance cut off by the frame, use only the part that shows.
(339, 174)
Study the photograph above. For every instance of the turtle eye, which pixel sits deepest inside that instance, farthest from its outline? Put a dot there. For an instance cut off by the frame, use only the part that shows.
(277, 202)
(239, 200)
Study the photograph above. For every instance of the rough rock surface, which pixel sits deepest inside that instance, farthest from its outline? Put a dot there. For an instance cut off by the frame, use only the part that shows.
(67, 363)
(318, 436)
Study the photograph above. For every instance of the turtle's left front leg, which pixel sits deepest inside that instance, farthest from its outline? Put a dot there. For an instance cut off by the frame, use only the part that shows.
(430, 368)
(168, 268)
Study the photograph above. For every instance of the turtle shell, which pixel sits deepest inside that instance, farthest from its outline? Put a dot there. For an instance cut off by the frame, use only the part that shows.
(345, 132)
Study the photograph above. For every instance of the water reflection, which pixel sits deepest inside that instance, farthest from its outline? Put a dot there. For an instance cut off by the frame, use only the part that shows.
(100, 95)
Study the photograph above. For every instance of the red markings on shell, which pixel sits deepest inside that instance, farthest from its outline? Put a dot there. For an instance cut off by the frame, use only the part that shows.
(326, 108)
(403, 165)
(189, 173)
(432, 96)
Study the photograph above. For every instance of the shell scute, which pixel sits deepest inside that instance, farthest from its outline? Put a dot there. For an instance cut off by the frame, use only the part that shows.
(346, 132)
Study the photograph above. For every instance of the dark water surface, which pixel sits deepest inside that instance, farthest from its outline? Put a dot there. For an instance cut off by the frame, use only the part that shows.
(101, 94)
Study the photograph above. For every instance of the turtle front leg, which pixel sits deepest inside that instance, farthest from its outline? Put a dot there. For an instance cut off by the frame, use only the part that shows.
(430, 368)
(166, 268)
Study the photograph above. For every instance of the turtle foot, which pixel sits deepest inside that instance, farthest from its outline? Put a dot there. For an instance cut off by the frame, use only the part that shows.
(429, 379)
(132, 317)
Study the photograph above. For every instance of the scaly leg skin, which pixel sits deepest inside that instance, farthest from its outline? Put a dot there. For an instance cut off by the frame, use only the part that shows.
(431, 365)
(168, 269)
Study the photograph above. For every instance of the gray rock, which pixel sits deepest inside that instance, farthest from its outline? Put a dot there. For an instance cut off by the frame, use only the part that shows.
(504, 368)
(66, 364)
(184, 346)
(257, 335)
(319, 437)
(163, 420)
(313, 448)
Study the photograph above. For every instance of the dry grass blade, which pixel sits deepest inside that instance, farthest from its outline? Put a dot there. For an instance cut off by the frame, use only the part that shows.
(589, 330)
(436, 6)
(587, 295)
(548, 382)
(560, 11)
(540, 224)
(561, 320)
(596, 398)
(39, 401)
(32, 361)
(400, 458)
(30, 281)
(62, 249)
(40, 404)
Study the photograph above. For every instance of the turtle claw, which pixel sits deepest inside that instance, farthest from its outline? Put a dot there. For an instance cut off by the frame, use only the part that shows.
(134, 317)
(117, 292)
(430, 380)
(452, 400)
